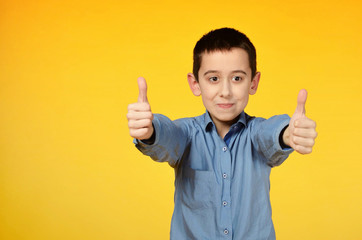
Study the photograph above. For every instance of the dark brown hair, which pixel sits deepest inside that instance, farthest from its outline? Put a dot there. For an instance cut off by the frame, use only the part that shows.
(220, 40)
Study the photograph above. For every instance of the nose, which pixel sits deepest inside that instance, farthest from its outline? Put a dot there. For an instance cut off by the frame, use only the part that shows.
(225, 89)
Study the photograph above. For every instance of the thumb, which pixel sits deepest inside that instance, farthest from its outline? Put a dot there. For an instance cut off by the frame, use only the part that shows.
(142, 87)
(302, 98)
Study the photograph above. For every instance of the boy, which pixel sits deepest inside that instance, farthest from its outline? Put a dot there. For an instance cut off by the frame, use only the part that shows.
(222, 159)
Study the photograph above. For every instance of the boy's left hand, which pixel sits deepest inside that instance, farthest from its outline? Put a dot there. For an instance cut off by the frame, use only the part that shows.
(301, 132)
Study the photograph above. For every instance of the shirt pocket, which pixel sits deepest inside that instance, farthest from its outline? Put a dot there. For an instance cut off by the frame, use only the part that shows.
(198, 188)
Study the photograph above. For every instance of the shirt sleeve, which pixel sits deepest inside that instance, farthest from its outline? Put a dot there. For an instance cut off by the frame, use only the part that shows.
(171, 139)
(265, 137)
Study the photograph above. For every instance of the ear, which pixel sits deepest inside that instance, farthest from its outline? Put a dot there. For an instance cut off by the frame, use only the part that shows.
(254, 83)
(194, 85)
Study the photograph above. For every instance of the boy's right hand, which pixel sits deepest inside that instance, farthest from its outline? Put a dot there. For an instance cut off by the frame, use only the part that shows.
(140, 115)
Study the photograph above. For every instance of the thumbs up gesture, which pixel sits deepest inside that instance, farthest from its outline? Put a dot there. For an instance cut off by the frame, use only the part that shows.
(301, 132)
(139, 114)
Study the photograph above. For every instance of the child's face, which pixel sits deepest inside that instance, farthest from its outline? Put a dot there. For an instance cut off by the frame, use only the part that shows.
(225, 83)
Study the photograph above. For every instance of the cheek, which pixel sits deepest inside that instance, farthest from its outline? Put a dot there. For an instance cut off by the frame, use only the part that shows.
(209, 93)
(241, 94)
(207, 98)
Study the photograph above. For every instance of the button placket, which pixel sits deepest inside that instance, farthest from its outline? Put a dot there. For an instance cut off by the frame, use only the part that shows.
(225, 197)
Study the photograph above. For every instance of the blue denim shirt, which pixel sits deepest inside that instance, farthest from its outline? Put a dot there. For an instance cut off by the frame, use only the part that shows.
(221, 190)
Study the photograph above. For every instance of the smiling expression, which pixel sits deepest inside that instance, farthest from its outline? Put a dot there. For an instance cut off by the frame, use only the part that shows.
(225, 83)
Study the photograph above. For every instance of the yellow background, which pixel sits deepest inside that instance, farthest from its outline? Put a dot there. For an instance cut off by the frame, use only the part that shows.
(68, 70)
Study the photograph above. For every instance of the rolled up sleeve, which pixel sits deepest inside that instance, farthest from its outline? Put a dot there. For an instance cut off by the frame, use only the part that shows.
(266, 139)
(170, 140)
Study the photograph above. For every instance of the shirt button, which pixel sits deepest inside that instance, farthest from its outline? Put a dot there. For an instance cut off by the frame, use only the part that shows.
(226, 232)
(224, 203)
(224, 149)
(224, 175)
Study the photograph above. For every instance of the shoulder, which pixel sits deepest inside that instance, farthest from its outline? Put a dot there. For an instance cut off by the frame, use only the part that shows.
(252, 121)
(191, 120)
(187, 124)
(272, 125)
(192, 123)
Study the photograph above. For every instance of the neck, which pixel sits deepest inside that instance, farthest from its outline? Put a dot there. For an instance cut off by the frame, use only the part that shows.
(223, 128)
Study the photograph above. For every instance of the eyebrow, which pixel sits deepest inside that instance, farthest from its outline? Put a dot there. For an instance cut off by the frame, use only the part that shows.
(235, 71)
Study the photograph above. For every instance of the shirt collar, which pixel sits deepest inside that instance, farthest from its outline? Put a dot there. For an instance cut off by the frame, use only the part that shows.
(209, 123)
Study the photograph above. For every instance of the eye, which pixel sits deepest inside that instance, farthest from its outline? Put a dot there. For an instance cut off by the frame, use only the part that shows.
(237, 78)
(213, 79)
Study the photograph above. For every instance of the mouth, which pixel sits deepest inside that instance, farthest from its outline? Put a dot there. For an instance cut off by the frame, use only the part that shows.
(225, 105)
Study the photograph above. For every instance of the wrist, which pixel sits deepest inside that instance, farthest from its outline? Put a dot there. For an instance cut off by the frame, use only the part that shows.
(284, 137)
(150, 140)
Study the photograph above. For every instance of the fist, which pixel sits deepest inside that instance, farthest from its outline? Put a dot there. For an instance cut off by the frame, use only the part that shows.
(140, 115)
(301, 132)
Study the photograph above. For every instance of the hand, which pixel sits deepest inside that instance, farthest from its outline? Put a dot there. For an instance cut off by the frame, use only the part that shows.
(301, 132)
(139, 114)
